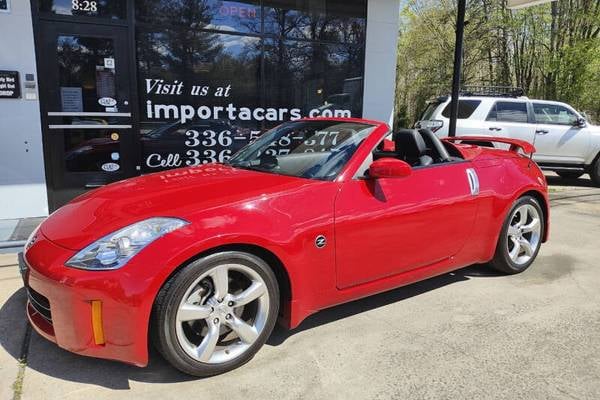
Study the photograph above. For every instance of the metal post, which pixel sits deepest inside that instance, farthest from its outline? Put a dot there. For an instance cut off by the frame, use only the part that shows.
(458, 51)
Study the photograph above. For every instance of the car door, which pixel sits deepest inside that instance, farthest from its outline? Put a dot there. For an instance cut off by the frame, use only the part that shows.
(511, 118)
(389, 226)
(558, 139)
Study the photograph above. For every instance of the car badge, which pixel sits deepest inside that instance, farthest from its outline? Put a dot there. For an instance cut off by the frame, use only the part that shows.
(320, 241)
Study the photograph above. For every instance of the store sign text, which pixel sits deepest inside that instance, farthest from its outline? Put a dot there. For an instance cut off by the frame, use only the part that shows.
(188, 112)
(84, 5)
(200, 146)
(10, 87)
(238, 11)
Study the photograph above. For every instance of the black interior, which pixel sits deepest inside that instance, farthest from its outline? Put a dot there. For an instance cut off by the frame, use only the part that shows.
(419, 148)
(411, 147)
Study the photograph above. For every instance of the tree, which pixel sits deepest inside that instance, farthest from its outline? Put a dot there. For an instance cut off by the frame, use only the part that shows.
(552, 51)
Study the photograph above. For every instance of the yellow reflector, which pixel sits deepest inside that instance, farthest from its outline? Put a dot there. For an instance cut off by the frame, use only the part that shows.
(97, 322)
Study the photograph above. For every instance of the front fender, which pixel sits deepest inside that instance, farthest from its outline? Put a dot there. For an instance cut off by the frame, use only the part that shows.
(285, 226)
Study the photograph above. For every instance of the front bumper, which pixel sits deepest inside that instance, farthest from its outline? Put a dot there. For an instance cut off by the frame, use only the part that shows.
(60, 305)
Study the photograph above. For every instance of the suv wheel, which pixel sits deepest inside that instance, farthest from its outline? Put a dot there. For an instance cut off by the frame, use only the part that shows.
(595, 172)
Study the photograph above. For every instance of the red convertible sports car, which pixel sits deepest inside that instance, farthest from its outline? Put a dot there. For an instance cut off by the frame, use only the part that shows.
(204, 260)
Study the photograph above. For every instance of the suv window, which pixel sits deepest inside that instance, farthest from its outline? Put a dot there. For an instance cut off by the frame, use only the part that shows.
(553, 114)
(508, 111)
(466, 108)
(429, 110)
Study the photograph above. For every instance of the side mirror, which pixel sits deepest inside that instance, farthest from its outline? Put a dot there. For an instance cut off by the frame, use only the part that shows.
(389, 168)
(580, 123)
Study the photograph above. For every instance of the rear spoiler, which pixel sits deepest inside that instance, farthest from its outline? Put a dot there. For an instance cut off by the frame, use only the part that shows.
(515, 144)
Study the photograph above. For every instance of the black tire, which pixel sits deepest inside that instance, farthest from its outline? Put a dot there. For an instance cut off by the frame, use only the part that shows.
(502, 261)
(163, 322)
(570, 174)
(595, 172)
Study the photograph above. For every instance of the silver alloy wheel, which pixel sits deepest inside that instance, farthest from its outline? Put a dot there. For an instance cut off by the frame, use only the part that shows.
(215, 325)
(524, 234)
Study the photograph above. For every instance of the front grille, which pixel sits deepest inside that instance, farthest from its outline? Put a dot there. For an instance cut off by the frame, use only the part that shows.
(40, 304)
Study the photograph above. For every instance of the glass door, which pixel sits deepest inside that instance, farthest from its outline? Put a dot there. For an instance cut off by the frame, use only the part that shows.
(86, 106)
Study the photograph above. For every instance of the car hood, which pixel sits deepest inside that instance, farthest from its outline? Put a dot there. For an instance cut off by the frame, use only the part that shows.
(593, 128)
(182, 193)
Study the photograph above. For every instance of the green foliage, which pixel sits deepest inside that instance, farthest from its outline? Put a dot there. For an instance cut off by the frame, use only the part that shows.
(551, 50)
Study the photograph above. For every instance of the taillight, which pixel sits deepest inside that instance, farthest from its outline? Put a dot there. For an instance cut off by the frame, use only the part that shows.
(433, 124)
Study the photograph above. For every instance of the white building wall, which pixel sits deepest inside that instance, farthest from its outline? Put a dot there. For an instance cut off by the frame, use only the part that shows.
(22, 179)
(383, 19)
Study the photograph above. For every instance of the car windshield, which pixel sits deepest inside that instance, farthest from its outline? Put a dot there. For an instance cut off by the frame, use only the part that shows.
(306, 149)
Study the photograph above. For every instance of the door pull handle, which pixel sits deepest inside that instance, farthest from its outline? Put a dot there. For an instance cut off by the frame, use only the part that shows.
(541, 132)
(473, 181)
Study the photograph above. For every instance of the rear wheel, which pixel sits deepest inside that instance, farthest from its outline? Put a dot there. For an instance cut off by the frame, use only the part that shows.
(520, 238)
(216, 313)
(569, 174)
(595, 172)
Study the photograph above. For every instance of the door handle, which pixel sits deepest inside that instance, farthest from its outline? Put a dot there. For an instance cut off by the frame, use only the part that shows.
(541, 132)
(495, 128)
(473, 181)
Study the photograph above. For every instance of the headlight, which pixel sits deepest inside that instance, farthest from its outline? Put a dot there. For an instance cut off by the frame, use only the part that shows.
(115, 250)
(31, 239)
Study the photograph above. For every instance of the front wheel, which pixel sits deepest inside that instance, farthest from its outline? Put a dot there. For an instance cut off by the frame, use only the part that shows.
(521, 237)
(215, 313)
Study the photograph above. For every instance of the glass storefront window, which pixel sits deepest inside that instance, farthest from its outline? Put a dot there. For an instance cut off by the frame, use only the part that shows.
(317, 78)
(212, 76)
(86, 72)
(92, 151)
(204, 95)
(114, 9)
(193, 86)
(325, 20)
(238, 16)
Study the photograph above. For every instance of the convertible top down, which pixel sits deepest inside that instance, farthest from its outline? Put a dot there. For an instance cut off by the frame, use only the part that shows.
(316, 212)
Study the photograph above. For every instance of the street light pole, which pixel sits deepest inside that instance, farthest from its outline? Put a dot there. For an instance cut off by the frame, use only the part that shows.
(458, 51)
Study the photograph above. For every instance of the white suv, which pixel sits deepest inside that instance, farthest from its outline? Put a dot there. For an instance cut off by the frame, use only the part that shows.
(566, 143)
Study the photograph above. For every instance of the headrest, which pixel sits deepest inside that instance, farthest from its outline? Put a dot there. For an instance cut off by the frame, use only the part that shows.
(409, 143)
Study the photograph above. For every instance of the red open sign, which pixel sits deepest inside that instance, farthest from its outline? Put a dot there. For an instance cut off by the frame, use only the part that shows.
(238, 11)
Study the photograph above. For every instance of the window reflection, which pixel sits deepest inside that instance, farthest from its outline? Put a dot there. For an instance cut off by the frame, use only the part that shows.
(189, 67)
(330, 20)
(312, 75)
(239, 16)
(97, 151)
(184, 71)
(84, 77)
(212, 78)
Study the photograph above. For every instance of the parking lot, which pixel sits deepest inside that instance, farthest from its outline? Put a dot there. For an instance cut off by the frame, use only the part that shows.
(471, 334)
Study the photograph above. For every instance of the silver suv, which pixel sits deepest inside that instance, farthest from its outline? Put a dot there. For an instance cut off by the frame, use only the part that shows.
(566, 143)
